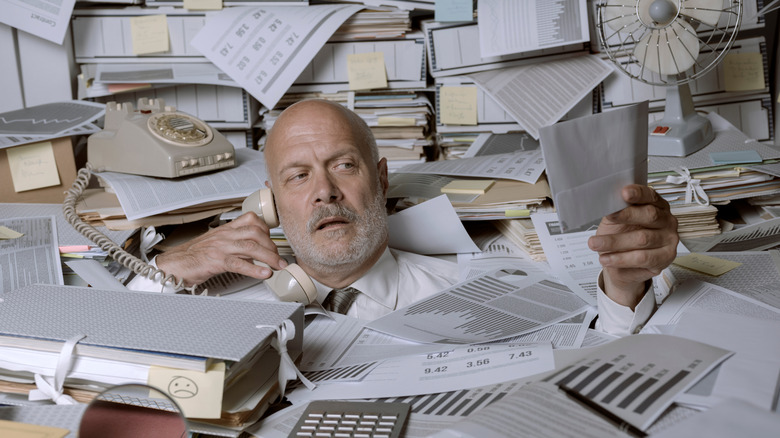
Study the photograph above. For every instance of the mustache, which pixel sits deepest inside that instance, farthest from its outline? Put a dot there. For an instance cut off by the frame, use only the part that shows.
(328, 211)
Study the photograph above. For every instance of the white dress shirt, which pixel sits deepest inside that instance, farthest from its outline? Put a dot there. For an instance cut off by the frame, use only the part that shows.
(400, 278)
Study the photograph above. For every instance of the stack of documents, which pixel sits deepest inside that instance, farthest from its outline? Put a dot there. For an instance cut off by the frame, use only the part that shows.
(148, 338)
(147, 201)
(523, 234)
(721, 170)
(375, 23)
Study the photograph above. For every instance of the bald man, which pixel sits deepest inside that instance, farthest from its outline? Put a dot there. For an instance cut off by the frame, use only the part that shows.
(330, 187)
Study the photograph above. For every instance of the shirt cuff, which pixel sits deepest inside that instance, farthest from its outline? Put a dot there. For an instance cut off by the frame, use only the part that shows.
(619, 320)
(141, 283)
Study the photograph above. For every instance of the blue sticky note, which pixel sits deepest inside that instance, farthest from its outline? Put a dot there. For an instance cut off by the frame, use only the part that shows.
(735, 157)
(454, 10)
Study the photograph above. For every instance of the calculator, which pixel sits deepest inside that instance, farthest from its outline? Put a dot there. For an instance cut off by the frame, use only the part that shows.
(348, 419)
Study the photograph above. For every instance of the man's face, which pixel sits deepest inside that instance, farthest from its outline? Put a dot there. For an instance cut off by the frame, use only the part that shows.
(330, 196)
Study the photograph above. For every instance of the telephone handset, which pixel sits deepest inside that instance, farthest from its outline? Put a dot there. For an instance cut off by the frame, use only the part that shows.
(291, 283)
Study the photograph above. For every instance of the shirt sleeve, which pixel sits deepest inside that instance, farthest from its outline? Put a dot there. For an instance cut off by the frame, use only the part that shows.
(141, 283)
(619, 320)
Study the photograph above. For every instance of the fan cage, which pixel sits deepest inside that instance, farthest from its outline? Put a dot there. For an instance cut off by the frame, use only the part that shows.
(714, 41)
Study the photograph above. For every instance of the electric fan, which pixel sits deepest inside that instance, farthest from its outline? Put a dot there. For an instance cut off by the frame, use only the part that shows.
(670, 43)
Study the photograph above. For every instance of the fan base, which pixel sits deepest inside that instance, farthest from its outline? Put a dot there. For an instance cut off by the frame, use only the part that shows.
(682, 138)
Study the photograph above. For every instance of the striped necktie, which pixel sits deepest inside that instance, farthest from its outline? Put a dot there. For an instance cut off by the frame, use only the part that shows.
(339, 300)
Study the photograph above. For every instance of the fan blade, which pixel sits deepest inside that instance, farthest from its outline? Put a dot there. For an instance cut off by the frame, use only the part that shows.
(619, 14)
(706, 11)
(670, 50)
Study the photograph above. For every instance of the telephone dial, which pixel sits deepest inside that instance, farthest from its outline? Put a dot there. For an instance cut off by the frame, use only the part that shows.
(156, 140)
(291, 283)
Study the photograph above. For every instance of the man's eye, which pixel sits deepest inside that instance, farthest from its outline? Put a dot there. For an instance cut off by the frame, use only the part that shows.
(346, 165)
(298, 176)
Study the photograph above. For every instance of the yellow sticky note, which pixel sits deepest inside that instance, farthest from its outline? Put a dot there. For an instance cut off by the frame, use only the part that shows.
(396, 121)
(149, 33)
(198, 394)
(7, 233)
(706, 264)
(366, 71)
(33, 166)
(468, 186)
(12, 429)
(743, 71)
(203, 5)
(517, 213)
(458, 105)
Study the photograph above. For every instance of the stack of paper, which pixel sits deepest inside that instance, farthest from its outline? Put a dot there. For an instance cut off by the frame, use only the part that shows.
(696, 221)
(153, 339)
(523, 234)
(375, 23)
(147, 201)
(720, 170)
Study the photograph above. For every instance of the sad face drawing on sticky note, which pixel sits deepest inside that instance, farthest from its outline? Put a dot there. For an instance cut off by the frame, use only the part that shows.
(182, 387)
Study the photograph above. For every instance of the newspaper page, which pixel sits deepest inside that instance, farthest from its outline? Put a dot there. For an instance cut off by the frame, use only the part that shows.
(541, 94)
(142, 196)
(265, 49)
(31, 258)
(48, 20)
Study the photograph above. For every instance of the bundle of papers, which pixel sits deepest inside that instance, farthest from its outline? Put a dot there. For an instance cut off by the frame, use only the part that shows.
(718, 172)
(523, 234)
(152, 339)
(375, 23)
(696, 221)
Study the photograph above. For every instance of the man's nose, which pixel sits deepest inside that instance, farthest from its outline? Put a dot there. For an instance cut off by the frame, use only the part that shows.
(326, 190)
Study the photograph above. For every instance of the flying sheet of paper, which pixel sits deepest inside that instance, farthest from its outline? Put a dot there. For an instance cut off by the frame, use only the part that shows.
(511, 26)
(525, 166)
(266, 49)
(590, 159)
(439, 371)
(48, 20)
(432, 227)
(560, 84)
(497, 305)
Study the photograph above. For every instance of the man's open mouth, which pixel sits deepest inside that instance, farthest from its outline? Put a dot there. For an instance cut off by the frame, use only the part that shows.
(330, 222)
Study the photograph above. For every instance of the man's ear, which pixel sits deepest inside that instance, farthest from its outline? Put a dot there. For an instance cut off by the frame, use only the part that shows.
(268, 184)
(381, 168)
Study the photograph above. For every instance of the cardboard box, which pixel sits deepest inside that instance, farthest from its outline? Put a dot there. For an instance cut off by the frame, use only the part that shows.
(66, 167)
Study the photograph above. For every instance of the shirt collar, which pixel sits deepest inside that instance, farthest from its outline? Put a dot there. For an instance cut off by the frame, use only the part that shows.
(379, 284)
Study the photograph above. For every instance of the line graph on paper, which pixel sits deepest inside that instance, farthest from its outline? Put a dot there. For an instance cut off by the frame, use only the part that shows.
(49, 119)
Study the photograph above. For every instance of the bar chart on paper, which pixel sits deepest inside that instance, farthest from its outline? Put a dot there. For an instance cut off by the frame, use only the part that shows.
(639, 376)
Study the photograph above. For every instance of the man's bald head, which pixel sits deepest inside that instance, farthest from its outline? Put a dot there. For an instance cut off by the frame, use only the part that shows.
(292, 118)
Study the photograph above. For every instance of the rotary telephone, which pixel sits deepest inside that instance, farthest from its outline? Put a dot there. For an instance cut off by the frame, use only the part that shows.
(291, 283)
(156, 140)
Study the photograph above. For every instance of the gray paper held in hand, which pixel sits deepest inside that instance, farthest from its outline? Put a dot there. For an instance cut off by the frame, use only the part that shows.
(590, 159)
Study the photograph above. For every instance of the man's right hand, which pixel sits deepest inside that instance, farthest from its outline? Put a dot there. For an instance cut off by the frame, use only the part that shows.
(231, 247)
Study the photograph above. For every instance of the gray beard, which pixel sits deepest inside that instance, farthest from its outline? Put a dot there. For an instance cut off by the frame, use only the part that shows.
(371, 235)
